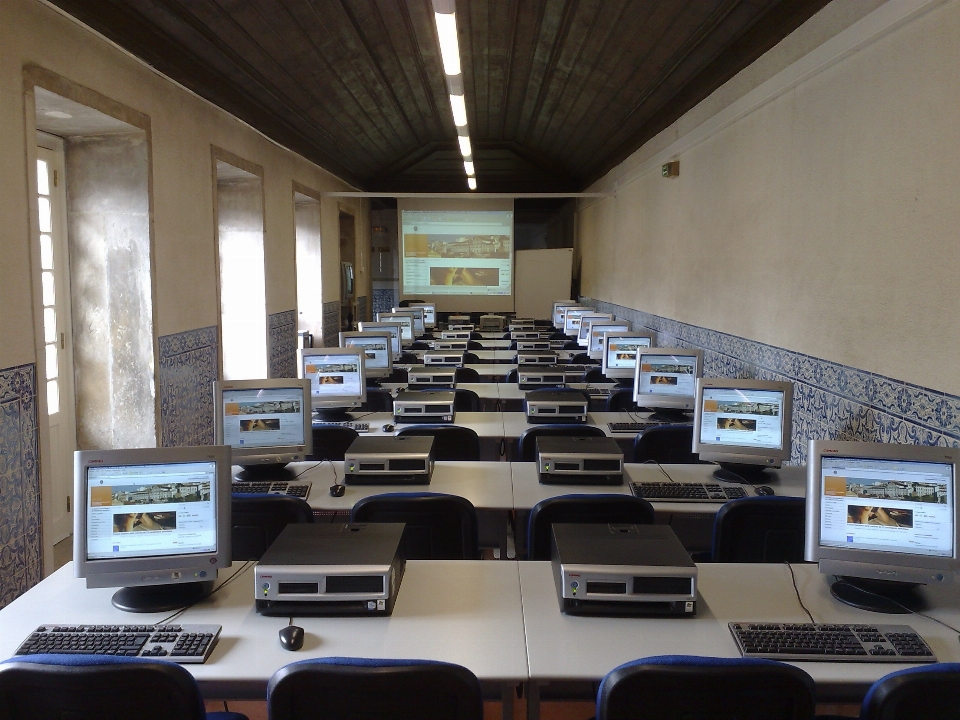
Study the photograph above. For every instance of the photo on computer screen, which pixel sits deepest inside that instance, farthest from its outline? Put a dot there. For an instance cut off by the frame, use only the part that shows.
(144, 522)
(876, 515)
(738, 416)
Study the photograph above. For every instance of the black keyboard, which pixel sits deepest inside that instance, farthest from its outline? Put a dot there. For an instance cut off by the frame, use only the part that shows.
(179, 643)
(360, 427)
(296, 489)
(632, 427)
(570, 369)
(846, 643)
(688, 491)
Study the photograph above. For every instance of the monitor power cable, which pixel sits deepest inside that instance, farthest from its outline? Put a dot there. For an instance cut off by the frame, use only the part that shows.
(793, 579)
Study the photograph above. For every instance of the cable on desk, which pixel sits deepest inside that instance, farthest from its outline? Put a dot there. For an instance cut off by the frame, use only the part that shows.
(648, 462)
(243, 568)
(904, 607)
(308, 469)
(793, 579)
(336, 479)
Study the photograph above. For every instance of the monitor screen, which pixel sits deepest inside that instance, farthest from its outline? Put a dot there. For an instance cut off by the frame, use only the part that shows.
(393, 328)
(378, 359)
(557, 314)
(598, 329)
(404, 319)
(263, 421)
(882, 512)
(571, 320)
(419, 322)
(429, 313)
(586, 320)
(154, 521)
(336, 376)
(619, 354)
(667, 377)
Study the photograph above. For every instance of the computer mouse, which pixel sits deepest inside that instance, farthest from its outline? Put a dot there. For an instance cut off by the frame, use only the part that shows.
(388, 427)
(291, 637)
(764, 490)
(337, 490)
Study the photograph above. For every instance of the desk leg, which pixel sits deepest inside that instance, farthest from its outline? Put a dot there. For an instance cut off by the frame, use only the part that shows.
(533, 700)
(507, 693)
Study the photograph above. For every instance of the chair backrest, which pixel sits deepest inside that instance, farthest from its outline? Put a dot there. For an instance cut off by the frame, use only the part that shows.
(599, 508)
(439, 527)
(258, 519)
(476, 335)
(594, 374)
(378, 400)
(931, 692)
(349, 688)
(407, 303)
(470, 358)
(583, 359)
(512, 376)
(466, 400)
(570, 344)
(760, 529)
(558, 335)
(676, 687)
(399, 375)
(620, 400)
(419, 345)
(450, 442)
(97, 687)
(528, 440)
(330, 442)
(474, 345)
(665, 444)
(466, 375)
(408, 358)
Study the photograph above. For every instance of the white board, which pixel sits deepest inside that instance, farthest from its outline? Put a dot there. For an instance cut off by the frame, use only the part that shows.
(543, 276)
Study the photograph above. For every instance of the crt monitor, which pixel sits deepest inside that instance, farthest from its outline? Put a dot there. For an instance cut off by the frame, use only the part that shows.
(557, 312)
(394, 329)
(598, 329)
(586, 320)
(666, 380)
(745, 425)
(406, 323)
(337, 380)
(619, 354)
(419, 324)
(571, 320)
(882, 519)
(266, 423)
(154, 522)
(429, 313)
(378, 358)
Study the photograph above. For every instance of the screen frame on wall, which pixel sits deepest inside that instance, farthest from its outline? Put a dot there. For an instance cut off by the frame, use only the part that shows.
(456, 303)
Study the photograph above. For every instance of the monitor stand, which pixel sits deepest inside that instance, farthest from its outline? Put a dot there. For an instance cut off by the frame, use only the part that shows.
(267, 472)
(161, 598)
(882, 596)
(332, 415)
(670, 415)
(740, 473)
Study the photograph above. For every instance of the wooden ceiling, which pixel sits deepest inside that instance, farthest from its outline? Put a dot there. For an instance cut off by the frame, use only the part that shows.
(557, 91)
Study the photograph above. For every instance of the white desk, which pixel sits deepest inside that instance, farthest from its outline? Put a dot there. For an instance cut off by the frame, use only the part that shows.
(567, 648)
(464, 612)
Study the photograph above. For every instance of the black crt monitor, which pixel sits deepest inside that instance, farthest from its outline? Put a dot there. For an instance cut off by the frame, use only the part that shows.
(586, 320)
(666, 380)
(429, 313)
(405, 320)
(882, 519)
(598, 329)
(744, 425)
(557, 313)
(337, 380)
(395, 330)
(571, 320)
(154, 522)
(619, 354)
(266, 423)
(419, 323)
(378, 356)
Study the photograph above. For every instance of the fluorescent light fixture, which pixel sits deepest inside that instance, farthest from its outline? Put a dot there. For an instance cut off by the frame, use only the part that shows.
(459, 110)
(468, 166)
(472, 183)
(449, 45)
(464, 141)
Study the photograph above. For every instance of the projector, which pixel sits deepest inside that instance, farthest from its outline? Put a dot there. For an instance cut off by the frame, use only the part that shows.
(323, 569)
(610, 569)
(458, 345)
(536, 358)
(534, 345)
(423, 406)
(389, 460)
(443, 358)
(556, 407)
(532, 377)
(579, 461)
(439, 376)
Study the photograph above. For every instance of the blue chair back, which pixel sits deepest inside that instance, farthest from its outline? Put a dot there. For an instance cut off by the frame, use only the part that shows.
(450, 442)
(257, 520)
(528, 439)
(665, 444)
(766, 529)
(931, 692)
(330, 442)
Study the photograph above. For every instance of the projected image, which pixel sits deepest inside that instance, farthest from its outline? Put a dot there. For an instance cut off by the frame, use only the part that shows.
(475, 277)
(456, 246)
(873, 515)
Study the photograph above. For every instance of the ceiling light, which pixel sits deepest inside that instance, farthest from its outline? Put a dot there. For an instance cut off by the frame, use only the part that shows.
(464, 141)
(472, 183)
(468, 166)
(449, 45)
(459, 110)
(59, 114)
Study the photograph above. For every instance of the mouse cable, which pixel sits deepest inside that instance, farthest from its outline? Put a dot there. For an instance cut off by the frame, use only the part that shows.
(793, 578)
(904, 607)
(336, 479)
(243, 568)
(306, 470)
(657, 462)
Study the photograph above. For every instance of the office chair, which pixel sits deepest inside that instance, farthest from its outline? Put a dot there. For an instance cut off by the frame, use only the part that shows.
(105, 687)
(598, 508)
(399, 375)
(470, 358)
(673, 687)
(767, 529)
(450, 442)
(931, 692)
(665, 444)
(528, 440)
(408, 303)
(594, 375)
(439, 527)
(583, 359)
(466, 375)
(474, 345)
(513, 345)
(558, 335)
(512, 376)
(620, 400)
(378, 400)
(476, 335)
(258, 519)
(335, 688)
(330, 442)
(465, 400)
(419, 345)
(570, 344)
(408, 358)
(506, 336)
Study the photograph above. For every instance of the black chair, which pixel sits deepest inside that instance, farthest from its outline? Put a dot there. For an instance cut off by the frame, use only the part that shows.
(258, 519)
(476, 335)
(439, 527)
(766, 529)
(558, 335)
(594, 375)
(931, 692)
(621, 400)
(673, 687)
(378, 400)
(505, 336)
(583, 359)
(408, 358)
(513, 345)
(105, 687)
(330, 442)
(465, 400)
(419, 345)
(475, 345)
(665, 444)
(512, 376)
(466, 375)
(399, 375)
(335, 688)
(528, 440)
(450, 442)
(408, 303)
(570, 344)
(599, 508)
(470, 358)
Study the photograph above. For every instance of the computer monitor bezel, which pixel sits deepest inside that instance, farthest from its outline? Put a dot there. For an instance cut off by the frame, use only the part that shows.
(583, 332)
(419, 318)
(877, 567)
(432, 307)
(371, 372)
(569, 314)
(139, 577)
(396, 347)
(394, 314)
(556, 315)
(334, 402)
(266, 454)
(618, 373)
(745, 454)
(595, 334)
(672, 402)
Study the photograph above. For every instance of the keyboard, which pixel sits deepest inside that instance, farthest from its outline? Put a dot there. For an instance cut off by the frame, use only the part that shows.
(846, 643)
(280, 487)
(360, 427)
(632, 427)
(688, 491)
(570, 369)
(179, 643)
